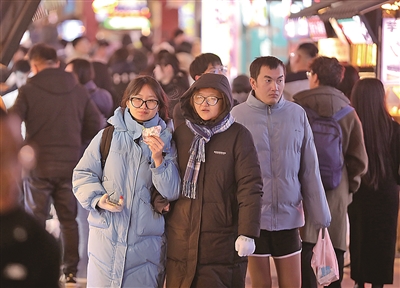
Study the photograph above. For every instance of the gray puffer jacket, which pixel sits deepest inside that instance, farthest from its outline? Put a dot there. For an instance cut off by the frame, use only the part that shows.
(289, 164)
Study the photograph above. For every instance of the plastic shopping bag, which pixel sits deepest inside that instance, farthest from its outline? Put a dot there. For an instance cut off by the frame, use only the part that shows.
(323, 261)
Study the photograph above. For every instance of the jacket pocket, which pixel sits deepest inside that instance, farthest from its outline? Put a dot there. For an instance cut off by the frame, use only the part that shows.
(149, 222)
(98, 219)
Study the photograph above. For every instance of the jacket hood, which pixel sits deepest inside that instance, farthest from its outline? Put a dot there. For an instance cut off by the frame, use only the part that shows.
(318, 98)
(66, 82)
(208, 80)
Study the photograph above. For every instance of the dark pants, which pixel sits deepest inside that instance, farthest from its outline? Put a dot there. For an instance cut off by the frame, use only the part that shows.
(39, 194)
(308, 279)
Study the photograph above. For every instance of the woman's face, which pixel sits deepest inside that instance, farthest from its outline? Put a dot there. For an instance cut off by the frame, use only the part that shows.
(211, 102)
(144, 105)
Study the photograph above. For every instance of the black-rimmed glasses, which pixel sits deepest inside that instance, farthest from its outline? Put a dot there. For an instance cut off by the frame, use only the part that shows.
(210, 100)
(138, 102)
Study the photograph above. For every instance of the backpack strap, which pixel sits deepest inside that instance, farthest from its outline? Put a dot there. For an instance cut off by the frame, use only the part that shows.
(105, 144)
(337, 116)
(342, 112)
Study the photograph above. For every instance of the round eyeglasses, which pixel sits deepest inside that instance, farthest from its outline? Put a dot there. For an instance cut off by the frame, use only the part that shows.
(210, 100)
(138, 102)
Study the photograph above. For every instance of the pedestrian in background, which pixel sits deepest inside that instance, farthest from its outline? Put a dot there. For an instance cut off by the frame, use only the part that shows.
(350, 78)
(127, 245)
(373, 212)
(203, 63)
(83, 70)
(59, 117)
(300, 61)
(325, 99)
(290, 172)
(30, 256)
(219, 209)
(241, 88)
(172, 78)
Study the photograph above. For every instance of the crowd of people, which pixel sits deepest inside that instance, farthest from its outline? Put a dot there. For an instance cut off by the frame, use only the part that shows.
(203, 181)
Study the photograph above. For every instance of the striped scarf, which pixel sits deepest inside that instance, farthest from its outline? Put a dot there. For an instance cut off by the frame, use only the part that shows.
(202, 134)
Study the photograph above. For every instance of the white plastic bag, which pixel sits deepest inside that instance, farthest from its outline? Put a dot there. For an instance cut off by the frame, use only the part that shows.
(323, 261)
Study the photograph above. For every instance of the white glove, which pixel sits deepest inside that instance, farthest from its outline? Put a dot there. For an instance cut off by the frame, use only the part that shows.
(245, 246)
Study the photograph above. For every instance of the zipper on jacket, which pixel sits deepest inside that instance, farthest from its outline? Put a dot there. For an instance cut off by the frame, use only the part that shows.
(274, 208)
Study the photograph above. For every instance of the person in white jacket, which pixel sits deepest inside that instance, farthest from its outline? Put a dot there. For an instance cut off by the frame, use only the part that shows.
(127, 244)
(290, 172)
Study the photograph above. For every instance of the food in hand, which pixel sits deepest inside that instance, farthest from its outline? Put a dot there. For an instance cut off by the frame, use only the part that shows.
(152, 131)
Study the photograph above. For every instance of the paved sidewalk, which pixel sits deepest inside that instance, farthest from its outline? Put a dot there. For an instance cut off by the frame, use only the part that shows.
(347, 281)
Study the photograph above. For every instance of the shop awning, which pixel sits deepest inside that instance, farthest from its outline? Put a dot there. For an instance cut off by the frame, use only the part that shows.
(15, 17)
(339, 9)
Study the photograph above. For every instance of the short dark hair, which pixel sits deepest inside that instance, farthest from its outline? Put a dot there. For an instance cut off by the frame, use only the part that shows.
(200, 64)
(185, 46)
(329, 71)
(269, 61)
(42, 52)
(165, 58)
(310, 49)
(22, 66)
(137, 84)
(83, 70)
(241, 84)
(178, 32)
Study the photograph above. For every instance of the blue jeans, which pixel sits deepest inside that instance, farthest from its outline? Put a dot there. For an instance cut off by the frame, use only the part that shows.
(39, 193)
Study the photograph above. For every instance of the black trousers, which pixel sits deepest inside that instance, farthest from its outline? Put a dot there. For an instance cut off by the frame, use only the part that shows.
(39, 193)
(308, 279)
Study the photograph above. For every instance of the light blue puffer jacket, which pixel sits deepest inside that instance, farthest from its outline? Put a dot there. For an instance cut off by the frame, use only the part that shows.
(126, 249)
(289, 164)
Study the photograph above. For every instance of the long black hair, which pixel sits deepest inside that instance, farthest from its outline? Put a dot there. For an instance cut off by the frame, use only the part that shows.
(368, 99)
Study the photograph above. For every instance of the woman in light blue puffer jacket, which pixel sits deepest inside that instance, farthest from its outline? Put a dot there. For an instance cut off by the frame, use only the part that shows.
(127, 244)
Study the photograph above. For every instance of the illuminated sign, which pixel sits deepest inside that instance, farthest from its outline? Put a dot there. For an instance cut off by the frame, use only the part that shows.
(355, 30)
(391, 51)
(122, 14)
(316, 28)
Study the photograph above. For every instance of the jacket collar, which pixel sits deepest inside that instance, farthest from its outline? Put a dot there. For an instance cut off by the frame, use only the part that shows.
(252, 101)
(123, 121)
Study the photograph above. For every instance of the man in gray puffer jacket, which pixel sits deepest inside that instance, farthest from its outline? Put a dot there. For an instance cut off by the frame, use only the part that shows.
(290, 172)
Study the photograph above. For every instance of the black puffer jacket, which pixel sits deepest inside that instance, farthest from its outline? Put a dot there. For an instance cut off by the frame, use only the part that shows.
(202, 232)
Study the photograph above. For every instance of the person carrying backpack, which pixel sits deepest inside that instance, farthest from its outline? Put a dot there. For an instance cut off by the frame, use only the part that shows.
(324, 102)
(127, 241)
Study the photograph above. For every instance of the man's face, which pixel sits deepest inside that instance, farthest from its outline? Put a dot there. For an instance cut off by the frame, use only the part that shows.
(268, 87)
